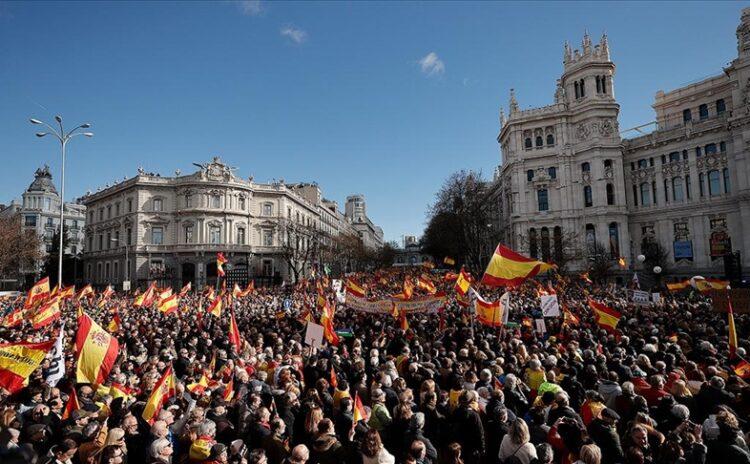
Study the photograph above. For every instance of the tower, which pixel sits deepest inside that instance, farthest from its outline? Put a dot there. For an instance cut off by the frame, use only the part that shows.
(588, 72)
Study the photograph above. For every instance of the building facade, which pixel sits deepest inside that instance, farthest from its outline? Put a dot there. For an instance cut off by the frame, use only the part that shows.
(355, 211)
(40, 211)
(169, 229)
(566, 170)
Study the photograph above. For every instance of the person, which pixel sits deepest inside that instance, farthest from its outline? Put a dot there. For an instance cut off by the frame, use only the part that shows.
(467, 427)
(276, 444)
(415, 433)
(603, 431)
(590, 454)
(373, 451)
(299, 455)
(516, 446)
(454, 454)
(62, 453)
(326, 448)
(161, 451)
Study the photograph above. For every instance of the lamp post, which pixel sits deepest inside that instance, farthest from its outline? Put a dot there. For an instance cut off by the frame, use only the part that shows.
(63, 138)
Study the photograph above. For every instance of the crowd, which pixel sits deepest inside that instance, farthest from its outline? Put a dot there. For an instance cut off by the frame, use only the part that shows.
(447, 389)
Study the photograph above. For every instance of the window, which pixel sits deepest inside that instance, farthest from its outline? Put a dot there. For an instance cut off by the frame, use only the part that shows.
(663, 159)
(29, 221)
(268, 209)
(50, 222)
(545, 244)
(214, 234)
(666, 191)
(242, 203)
(129, 233)
(590, 236)
(702, 184)
(635, 195)
(241, 236)
(598, 85)
(578, 92)
(529, 175)
(722, 147)
(130, 205)
(91, 243)
(645, 194)
(157, 235)
(101, 214)
(542, 199)
(527, 142)
(703, 112)
(614, 240)
(117, 208)
(725, 173)
(642, 164)
(47, 204)
(109, 211)
(632, 166)
(677, 191)
(710, 149)
(267, 238)
(588, 199)
(684, 154)
(687, 186)
(557, 238)
(116, 271)
(714, 183)
(698, 153)
(550, 139)
(106, 270)
(583, 88)
(552, 172)
(610, 194)
(101, 242)
(607, 164)
(539, 141)
(188, 234)
(687, 115)
(674, 156)
(585, 167)
(533, 249)
(215, 201)
(158, 204)
(188, 201)
(604, 84)
(653, 191)
(720, 106)
(651, 162)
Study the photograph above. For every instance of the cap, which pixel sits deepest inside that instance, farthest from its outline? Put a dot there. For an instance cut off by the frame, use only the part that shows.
(610, 413)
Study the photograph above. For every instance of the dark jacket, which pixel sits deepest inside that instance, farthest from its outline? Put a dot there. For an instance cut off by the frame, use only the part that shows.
(469, 433)
(606, 438)
(326, 449)
(416, 434)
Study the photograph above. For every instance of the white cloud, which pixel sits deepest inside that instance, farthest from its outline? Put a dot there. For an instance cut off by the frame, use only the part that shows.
(432, 65)
(294, 34)
(250, 7)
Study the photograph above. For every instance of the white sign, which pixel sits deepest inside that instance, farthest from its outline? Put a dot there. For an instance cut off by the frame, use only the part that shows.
(336, 284)
(57, 365)
(656, 297)
(550, 306)
(505, 304)
(314, 335)
(541, 326)
(640, 297)
(125, 285)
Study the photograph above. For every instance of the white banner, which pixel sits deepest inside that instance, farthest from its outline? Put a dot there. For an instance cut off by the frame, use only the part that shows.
(57, 365)
(541, 326)
(550, 306)
(336, 284)
(505, 304)
(639, 297)
(656, 297)
(314, 335)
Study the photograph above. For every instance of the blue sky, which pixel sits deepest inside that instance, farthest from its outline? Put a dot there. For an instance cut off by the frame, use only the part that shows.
(383, 99)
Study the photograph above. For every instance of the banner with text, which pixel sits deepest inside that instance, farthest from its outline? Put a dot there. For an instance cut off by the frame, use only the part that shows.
(427, 304)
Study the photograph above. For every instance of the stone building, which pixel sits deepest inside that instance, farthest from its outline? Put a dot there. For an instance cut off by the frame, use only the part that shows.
(681, 181)
(356, 214)
(40, 211)
(169, 229)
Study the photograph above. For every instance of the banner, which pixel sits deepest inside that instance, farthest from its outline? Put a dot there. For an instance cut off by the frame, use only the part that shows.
(550, 306)
(540, 326)
(56, 369)
(656, 297)
(426, 304)
(639, 297)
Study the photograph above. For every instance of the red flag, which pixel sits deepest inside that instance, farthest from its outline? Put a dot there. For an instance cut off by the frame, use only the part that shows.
(234, 332)
(72, 404)
(606, 317)
(220, 262)
(334, 378)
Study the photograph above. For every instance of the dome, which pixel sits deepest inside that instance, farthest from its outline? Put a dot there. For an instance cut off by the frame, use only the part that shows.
(42, 181)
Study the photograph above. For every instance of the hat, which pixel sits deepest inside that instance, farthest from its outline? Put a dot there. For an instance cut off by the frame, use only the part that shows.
(79, 414)
(610, 414)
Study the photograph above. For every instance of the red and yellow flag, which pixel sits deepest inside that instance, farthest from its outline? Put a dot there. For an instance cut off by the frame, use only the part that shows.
(426, 284)
(108, 292)
(216, 306)
(449, 261)
(68, 293)
(570, 318)
(38, 293)
(489, 313)
(358, 410)
(97, 351)
(114, 324)
(169, 304)
(249, 289)
(163, 390)
(229, 391)
(234, 332)
(236, 291)
(220, 262)
(146, 299)
(508, 268)
(200, 386)
(48, 313)
(677, 286)
(354, 289)
(408, 291)
(402, 320)
(742, 369)
(326, 320)
(86, 291)
(705, 285)
(163, 295)
(72, 404)
(334, 379)
(463, 300)
(19, 360)
(14, 318)
(186, 289)
(463, 283)
(606, 317)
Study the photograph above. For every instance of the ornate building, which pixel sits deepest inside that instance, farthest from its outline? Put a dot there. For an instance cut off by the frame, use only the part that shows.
(40, 211)
(169, 229)
(566, 169)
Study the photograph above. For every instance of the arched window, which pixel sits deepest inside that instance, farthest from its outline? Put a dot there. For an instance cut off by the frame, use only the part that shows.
(677, 189)
(158, 204)
(726, 180)
(578, 92)
(645, 194)
(687, 115)
(674, 156)
(585, 167)
(635, 195)
(666, 191)
(710, 149)
(703, 112)
(684, 154)
(557, 239)
(722, 147)
(552, 172)
(598, 85)
(607, 164)
(687, 186)
(604, 84)
(527, 142)
(642, 163)
(610, 194)
(542, 200)
(530, 175)
(702, 184)
(583, 88)
(214, 234)
(590, 236)
(550, 139)
(241, 236)
(588, 199)
(614, 240)
(714, 185)
(653, 191)
(215, 201)
(720, 106)
(698, 153)
(533, 249)
(545, 244)
(539, 141)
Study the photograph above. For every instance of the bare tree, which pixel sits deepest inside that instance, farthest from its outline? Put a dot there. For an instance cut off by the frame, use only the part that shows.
(599, 261)
(560, 250)
(19, 248)
(300, 245)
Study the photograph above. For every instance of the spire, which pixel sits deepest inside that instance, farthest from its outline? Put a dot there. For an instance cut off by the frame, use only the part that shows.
(513, 104)
(567, 53)
(586, 43)
(559, 92)
(604, 46)
(502, 117)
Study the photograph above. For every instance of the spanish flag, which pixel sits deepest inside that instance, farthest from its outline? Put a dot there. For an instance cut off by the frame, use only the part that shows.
(146, 299)
(97, 351)
(210, 293)
(229, 391)
(489, 313)
(358, 411)
(403, 322)
(570, 318)
(742, 369)
(48, 313)
(14, 318)
(677, 286)
(463, 300)
(463, 283)
(200, 386)
(163, 390)
(186, 289)
(353, 288)
(606, 317)
(169, 305)
(163, 296)
(249, 289)
(108, 292)
(216, 306)
(72, 404)
(236, 291)
(220, 262)
(68, 292)
(705, 285)
(732, 328)
(115, 323)
(510, 268)
(19, 360)
(38, 293)
(621, 262)
(408, 289)
(86, 291)
(334, 379)
(234, 332)
(425, 284)
(449, 261)
(326, 320)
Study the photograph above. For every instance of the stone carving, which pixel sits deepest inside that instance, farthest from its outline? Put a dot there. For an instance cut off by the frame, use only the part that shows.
(606, 128)
(583, 132)
(216, 170)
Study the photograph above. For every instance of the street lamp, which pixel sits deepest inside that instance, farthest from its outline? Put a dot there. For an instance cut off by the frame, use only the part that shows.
(63, 138)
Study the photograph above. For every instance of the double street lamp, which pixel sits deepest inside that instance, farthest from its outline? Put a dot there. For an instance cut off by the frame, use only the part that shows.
(63, 138)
